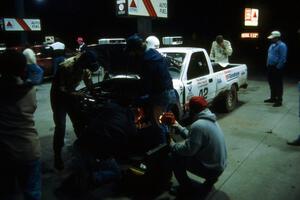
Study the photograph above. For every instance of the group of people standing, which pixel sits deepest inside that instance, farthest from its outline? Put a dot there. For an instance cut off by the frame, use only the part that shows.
(202, 150)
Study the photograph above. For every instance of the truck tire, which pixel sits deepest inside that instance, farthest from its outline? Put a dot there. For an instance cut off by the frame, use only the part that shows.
(230, 99)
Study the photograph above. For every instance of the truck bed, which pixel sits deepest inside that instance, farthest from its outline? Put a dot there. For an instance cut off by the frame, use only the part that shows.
(217, 67)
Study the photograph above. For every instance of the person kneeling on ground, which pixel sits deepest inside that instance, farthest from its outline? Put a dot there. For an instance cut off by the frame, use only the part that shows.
(109, 136)
(203, 150)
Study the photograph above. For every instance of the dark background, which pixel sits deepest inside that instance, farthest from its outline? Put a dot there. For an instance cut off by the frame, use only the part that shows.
(197, 21)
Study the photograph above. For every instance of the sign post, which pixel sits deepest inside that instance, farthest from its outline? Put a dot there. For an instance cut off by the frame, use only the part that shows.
(20, 13)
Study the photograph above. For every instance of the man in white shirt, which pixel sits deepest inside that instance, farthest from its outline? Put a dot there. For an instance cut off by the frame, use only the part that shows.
(34, 73)
(30, 56)
(220, 50)
(58, 53)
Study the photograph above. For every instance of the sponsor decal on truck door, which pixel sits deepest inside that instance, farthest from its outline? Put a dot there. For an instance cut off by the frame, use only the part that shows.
(198, 82)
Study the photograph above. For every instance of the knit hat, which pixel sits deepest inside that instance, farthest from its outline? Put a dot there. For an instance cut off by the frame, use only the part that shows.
(197, 104)
(134, 42)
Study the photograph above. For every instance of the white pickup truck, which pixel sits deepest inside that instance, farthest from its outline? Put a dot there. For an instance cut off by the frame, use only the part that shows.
(194, 74)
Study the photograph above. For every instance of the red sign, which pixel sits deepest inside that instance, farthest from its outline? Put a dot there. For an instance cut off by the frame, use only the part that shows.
(133, 4)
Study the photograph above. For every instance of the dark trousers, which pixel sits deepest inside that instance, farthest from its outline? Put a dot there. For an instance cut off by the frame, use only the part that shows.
(55, 63)
(63, 104)
(275, 79)
(182, 164)
(20, 179)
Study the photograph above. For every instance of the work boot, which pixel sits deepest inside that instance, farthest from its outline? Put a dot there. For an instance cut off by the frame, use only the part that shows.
(277, 104)
(271, 100)
(294, 143)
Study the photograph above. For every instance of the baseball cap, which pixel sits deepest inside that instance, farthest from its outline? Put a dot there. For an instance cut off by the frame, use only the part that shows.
(152, 42)
(79, 39)
(197, 103)
(274, 34)
(134, 42)
(91, 60)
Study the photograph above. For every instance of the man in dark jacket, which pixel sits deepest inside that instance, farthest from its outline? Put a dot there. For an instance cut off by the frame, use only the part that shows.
(63, 91)
(156, 79)
(203, 150)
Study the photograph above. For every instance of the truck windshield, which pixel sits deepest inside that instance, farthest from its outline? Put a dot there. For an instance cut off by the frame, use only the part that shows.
(176, 60)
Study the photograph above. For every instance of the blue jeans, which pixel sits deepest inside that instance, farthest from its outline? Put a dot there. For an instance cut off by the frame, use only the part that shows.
(34, 74)
(24, 178)
(102, 170)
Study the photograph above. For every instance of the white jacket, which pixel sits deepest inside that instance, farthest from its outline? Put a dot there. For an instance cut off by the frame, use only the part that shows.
(30, 56)
(219, 54)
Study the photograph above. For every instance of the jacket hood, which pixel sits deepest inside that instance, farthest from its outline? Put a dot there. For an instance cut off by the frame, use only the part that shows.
(152, 54)
(206, 114)
(13, 88)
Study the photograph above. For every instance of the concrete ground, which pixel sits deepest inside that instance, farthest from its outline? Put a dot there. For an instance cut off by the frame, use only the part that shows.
(260, 163)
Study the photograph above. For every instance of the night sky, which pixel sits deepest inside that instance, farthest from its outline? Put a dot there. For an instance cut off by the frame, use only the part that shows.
(94, 19)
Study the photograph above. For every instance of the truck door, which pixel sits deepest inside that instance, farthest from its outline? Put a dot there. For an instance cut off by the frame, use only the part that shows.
(199, 81)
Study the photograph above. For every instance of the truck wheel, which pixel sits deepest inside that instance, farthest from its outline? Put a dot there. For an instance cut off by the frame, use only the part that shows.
(231, 98)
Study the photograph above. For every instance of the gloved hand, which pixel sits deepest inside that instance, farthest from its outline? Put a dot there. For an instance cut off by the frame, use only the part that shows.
(167, 118)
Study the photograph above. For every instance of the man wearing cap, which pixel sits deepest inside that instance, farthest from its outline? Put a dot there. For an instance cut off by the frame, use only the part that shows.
(276, 60)
(203, 150)
(81, 44)
(156, 80)
(62, 93)
(152, 42)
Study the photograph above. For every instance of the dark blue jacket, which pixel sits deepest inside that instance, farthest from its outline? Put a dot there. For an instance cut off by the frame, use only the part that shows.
(34, 74)
(154, 73)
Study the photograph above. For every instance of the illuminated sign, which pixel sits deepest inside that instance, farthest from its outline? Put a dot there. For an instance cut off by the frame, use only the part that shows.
(15, 24)
(251, 17)
(146, 8)
(249, 35)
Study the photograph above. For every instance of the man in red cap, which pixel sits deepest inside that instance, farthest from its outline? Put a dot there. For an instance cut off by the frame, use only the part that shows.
(203, 150)
(81, 44)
